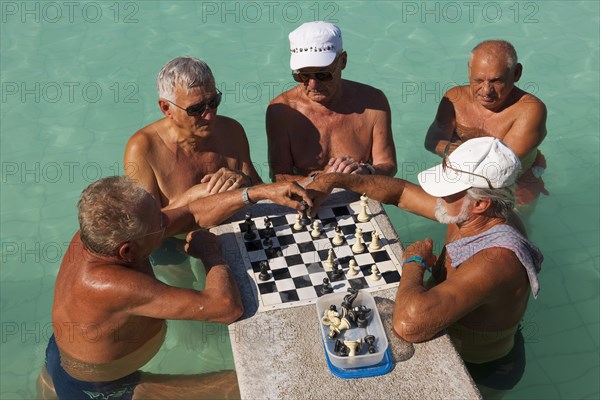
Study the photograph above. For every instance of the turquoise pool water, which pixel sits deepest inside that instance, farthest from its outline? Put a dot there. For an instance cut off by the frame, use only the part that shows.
(78, 79)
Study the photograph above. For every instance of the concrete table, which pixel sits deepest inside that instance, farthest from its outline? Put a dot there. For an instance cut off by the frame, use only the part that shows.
(279, 354)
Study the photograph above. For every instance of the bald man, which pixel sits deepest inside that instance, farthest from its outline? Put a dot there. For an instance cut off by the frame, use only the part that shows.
(491, 105)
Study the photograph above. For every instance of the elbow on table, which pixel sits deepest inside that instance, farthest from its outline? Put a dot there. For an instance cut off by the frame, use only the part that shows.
(233, 310)
(411, 325)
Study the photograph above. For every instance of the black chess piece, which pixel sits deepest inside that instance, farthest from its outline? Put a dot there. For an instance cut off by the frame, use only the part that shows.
(326, 286)
(370, 341)
(249, 234)
(264, 271)
(304, 219)
(267, 241)
(360, 315)
(341, 349)
(349, 298)
(336, 273)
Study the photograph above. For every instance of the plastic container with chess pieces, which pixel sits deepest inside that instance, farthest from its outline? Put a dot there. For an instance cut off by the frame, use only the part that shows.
(363, 364)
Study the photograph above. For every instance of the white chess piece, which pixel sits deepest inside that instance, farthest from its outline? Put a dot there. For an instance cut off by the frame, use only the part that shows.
(316, 232)
(352, 267)
(298, 226)
(330, 262)
(358, 246)
(375, 273)
(354, 346)
(363, 216)
(338, 239)
(375, 242)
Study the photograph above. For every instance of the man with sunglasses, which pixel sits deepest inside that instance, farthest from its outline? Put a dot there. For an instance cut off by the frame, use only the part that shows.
(479, 285)
(109, 310)
(326, 123)
(491, 105)
(192, 144)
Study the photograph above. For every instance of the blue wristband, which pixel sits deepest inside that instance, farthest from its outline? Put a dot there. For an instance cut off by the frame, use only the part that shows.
(417, 259)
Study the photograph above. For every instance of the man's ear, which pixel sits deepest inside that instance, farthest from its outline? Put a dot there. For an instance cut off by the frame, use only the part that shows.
(481, 206)
(126, 251)
(165, 107)
(344, 60)
(518, 72)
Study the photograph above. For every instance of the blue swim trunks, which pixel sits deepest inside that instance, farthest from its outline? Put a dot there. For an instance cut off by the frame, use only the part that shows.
(68, 387)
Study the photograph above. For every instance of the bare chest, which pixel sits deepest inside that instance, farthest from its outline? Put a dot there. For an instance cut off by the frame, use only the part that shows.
(177, 172)
(472, 123)
(317, 138)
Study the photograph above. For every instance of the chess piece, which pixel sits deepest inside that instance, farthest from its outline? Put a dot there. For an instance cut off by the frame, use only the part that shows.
(330, 262)
(298, 225)
(375, 276)
(341, 349)
(264, 271)
(359, 315)
(267, 241)
(352, 267)
(375, 242)
(268, 226)
(316, 232)
(269, 251)
(249, 234)
(358, 247)
(338, 239)
(370, 341)
(354, 345)
(348, 300)
(332, 319)
(326, 286)
(363, 216)
(304, 219)
(336, 272)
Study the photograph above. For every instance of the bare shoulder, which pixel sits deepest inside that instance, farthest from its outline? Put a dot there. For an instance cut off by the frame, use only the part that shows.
(288, 98)
(230, 127)
(528, 103)
(366, 93)
(457, 94)
(117, 286)
(143, 140)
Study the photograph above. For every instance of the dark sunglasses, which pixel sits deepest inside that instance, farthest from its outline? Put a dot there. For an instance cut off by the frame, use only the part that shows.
(196, 110)
(446, 165)
(303, 77)
(322, 76)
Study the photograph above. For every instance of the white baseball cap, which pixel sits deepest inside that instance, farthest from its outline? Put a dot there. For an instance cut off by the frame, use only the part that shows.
(314, 44)
(484, 162)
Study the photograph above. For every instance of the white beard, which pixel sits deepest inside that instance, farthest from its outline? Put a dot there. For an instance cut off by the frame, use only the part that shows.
(441, 212)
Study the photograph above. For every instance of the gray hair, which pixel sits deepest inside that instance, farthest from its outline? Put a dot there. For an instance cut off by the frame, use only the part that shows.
(502, 199)
(498, 47)
(110, 213)
(187, 72)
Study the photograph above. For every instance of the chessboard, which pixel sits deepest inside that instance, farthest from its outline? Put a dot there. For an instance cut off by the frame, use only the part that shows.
(296, 259)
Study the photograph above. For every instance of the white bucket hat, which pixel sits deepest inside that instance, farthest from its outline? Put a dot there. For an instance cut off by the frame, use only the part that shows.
(481, 163)
(314, 44)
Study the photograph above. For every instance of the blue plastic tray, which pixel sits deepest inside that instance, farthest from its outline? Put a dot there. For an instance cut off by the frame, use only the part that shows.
(385, 366)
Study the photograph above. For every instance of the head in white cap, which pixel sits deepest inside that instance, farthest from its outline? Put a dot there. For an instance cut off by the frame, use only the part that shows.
(486, 167)
(314, 44)
(480, 163)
